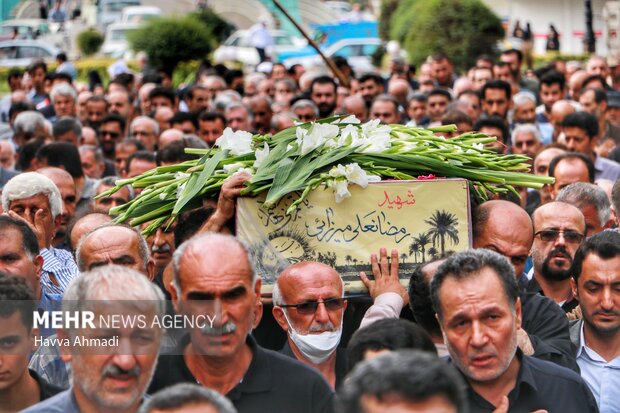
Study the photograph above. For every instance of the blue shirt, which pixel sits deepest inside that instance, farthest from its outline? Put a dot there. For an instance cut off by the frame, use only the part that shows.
(60, 265)
(61, 403)
(603, 377)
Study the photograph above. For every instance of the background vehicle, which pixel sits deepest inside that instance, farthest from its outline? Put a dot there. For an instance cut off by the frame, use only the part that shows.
(358, 53)
(238, 48)
(140, 14)
(110, 11)
(115, 42)
(20, 53)
(35, 29)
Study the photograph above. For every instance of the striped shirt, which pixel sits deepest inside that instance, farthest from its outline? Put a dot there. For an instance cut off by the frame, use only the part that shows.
(58, 270)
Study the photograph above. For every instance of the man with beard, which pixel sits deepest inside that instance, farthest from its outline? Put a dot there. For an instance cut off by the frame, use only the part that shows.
(476, 300)
(112, 377)
(323, 94)
(559, 229)
(596, 276)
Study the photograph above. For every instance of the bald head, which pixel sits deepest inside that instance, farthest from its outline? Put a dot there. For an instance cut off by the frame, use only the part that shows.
(304, 273)
(506, 228)
(557, 210)
(399, 88)
(560, 110)
(355, 105)
(55, 174)
(86, 224)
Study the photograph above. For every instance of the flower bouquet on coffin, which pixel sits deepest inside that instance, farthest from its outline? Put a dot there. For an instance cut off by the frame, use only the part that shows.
(333, 153)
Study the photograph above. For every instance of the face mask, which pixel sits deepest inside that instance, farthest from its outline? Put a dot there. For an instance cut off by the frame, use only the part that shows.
(315, 347)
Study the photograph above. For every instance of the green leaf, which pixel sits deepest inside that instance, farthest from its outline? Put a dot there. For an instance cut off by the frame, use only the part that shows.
(194, 186)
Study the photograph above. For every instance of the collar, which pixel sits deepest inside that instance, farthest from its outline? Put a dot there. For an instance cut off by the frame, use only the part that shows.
(259, 377)
(525, 375)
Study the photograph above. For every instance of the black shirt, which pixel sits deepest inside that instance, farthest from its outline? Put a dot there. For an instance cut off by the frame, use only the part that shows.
(341, 362)
(541, 385)
(534, 287)
(273, 383)
(46, 390)
(547, 326)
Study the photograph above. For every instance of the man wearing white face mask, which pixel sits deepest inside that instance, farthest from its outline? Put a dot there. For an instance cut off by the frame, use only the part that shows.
(308, 305)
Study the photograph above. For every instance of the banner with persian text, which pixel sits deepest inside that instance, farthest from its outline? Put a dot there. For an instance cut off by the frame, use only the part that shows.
(422, 219)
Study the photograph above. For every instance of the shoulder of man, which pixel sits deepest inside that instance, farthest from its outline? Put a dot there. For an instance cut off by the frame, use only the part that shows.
(60, 403)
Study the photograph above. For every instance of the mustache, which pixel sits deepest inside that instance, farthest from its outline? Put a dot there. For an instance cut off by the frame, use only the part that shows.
(560, 250)
(606, 312)
(226, 328)
(163, 248)
(322, 327)
(115, 371)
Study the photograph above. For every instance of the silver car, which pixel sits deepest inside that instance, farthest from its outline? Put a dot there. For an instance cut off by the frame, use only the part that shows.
(20, 53)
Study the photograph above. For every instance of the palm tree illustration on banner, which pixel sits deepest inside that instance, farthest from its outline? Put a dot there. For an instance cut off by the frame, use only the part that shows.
(422, 240)
(414, 248)
(403, 258)
(443, 224)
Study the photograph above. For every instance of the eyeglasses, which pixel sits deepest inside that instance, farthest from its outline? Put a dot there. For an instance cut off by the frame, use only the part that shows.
(309, 307)
(550, 235)
(111, 133)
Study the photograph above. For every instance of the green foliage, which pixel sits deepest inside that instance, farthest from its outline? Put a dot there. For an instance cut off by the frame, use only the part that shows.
(462, 29)
(388, 7)
(400, 21)
(89, 41)
(219, 27)
(171, 40)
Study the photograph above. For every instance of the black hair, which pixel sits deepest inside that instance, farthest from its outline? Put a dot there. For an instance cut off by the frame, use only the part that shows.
(605, 245)
(181, 117)
(551, 78)
(420, 300)
(16, 295)
(387, 334)
(29, 240)
(322, 80)
(64, 155)
(371, 76)
(141, 155)
(36, 65)
(28, 152)
(442, 92)
(408, 375)
(211, 116)
(497, 84)
(19, 107)
(572, 156)
(161, 91)
(494, 122)
(584, 121)
(115, 117)
(470, 263)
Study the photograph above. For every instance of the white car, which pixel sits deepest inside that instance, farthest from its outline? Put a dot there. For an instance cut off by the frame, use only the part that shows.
(115, 42)
(238, 48)
(357, 51)
(139, 14)
(20, 53)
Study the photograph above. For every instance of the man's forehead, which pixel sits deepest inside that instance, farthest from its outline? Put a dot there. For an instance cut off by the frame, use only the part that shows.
(31, 200)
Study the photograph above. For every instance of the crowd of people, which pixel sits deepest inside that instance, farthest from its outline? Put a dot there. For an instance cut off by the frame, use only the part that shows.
(526, 320)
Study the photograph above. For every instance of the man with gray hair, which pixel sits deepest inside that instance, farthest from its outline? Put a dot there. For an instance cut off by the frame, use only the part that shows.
(28, 125)
(146, 130)
(64, 99)
(238, 117)
(35, 199)
(305, 110)
(593, 203)
(213, 272)
(476, 300)
(111, 366)
(526, 140)
(93, 163)
(524, 111)
(184, 396)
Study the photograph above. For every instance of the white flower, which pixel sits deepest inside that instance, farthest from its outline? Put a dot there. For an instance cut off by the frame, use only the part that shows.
(374, 178)
(356, 175)
(375, 136)
(338, 171)
(162, 196)
(233, 167)
(349, 132)
(348, 119)
(180, 175)
(238, 143)
(319, 133)
(260, 155)
(248, 171)
(341, 191)
(180, 189)
(479, 146)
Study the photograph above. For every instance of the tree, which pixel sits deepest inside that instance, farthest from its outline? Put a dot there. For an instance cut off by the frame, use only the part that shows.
(403, 257)
(168, 41)
(461, 29)
(414, 248)
(432, 253)
(443, 224)
(348, 259)
(219, 27)
(89, 41)
(422, 240)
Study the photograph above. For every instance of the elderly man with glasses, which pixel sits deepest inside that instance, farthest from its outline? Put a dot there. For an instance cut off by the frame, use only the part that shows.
(559, 229)
(309, 306)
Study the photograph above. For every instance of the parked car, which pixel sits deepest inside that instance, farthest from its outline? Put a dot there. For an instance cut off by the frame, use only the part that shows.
(139, 14)
(357, 51)
(35, 29)
(20, 53)
(238, 48)
(115, 42)
(110, 11)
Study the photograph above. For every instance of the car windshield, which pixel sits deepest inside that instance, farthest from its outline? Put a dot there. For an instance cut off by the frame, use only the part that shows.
(119, 34)
(282, 40)
(118, 6)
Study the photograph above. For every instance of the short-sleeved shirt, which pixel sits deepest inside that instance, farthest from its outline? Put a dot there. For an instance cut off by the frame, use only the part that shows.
(273, 382)
(541, 385)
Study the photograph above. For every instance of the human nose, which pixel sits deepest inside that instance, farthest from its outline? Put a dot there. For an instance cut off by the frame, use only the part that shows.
(159, 238)
(321, 315)
(125, 361)
(478, 335)
(607, 301)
